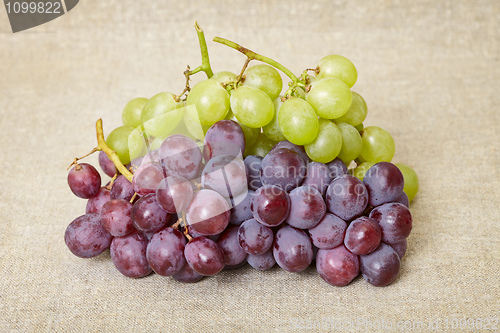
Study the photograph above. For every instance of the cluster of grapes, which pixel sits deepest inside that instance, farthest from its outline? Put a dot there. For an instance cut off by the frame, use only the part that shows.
(235, 173)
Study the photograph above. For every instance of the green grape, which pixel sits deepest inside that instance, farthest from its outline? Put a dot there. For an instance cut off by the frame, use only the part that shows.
(224, 77)
(360, 171)
(330, 98)
(127, 142)
(359, 127)
(251, 106)
(378, 145)
(411, 180)
(156, 143)
(272, 130)
(266, 78)
(195, 129)
(251, 134)
(356, 113)
(211, 101)
(298, 121)
(327, 144)
(161, 114)
(339, 67)
(261, 147)
(351, 143)
(131, 114)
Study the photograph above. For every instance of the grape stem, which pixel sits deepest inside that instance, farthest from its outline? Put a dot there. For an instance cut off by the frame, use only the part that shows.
(255, 56)
(101, 145)
(205, 60)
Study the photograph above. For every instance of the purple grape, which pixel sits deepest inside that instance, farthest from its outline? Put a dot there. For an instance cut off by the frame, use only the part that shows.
(165, 252)
(284, 168)
(329, 233)
(208, 214)
(241, 210)
(252, 164)
(128, 254)
(337, 266)
(115, 217)
(292, 249)
(400, 248)
(228, 242)
(381, 267)
(296, 148)
(85, 237)
(307, 207)
(394, 220)
(318, 176)
(95, 203)
(204, 256)
(403, 199)
(106, 164)
(261, 261)
(270, 205)
(122, 189)
(226, 175)
(254, 238)
(187, 275)
(225, 137)
(84, 181)
(147, 177)
(147, 215)
(362, 236)
(180, 156)
(384, 182)
(174, 194)
(346, 197)
(337, 168)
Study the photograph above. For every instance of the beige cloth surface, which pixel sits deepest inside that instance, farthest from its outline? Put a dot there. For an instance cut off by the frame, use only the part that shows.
(430, 73)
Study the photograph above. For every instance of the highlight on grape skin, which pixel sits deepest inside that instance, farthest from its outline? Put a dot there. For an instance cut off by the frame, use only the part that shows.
(247, 167)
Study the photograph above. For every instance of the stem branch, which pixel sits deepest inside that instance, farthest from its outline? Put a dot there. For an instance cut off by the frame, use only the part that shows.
(205, 60)
(255, 56)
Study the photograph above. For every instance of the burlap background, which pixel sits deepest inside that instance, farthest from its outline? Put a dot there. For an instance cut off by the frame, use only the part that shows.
(430, 72)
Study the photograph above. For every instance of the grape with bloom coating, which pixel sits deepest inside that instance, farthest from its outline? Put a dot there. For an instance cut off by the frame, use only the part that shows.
(384, 182)
(400, 248)
(115, 217)
(174, 194)
(251, 134)
(298, 121)
(346, 197)
(187, 275)
(127, 142)
(128, 254)
(255, 238)
(204, 256)
(131, 114)
(292, 249)
(85, 237)
(337, 266)
(381, 267)
(284, 168)
(241, 210)
(264, 77)
(165, 252)
(329, 97)
(378, 145)
(395, 221)
(270, 205)
(226, 175)
(357, 112)
(253, 164)
(122, 189)
(296, 148)
(180, 156)
(362, 236)
(329, 232)
(161, 114)
(225, 137)
(338, 66)
(84, 181)
(251, 106)
(229, 244)
(147, 215)
(307, 207)
(337, 168)
(209, 102)
(95, 203)
(410, 179)
(147, 177)
(318, 176)
(327, 145)
(261, 261)
(208, 214)
(106, 164)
